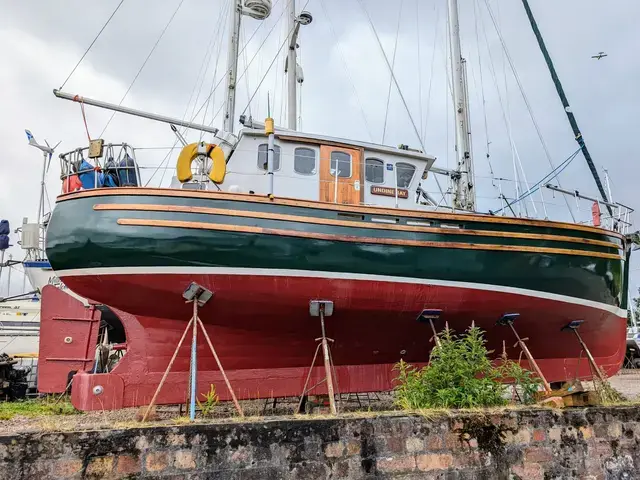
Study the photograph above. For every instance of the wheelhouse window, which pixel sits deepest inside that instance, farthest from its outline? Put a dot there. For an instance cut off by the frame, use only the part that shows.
(340, 162)
(304, 161)
(404, 174)
(262, 157)
(374, 170)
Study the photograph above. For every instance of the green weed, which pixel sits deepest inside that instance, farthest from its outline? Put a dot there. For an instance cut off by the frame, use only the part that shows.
(460, 375)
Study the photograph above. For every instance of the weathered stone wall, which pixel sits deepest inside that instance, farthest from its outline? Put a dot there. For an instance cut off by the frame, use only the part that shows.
(595, 443)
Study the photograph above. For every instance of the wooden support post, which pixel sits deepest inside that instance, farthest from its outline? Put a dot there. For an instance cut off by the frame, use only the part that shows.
(224, 375)
(166, 373)
(532, 361)
(592, 361)
(435, 334)
(306, 382)
(327, 365)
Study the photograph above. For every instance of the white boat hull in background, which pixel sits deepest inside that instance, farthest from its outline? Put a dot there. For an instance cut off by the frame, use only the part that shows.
(20, 327)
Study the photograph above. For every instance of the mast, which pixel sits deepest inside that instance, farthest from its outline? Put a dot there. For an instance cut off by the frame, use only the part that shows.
(565, 103)
(292, 97)
(464, 194)
(232, 67)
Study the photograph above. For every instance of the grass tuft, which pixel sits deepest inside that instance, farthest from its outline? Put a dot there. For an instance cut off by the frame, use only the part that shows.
(39, 407)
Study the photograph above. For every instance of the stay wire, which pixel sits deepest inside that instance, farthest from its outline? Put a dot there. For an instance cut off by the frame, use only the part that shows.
(484, 102)
(393, 64)
(219, 21)
(525, 98)
(404, 102)
(143, 65)
(346, 70)
(433, 61)
(212, 93)
(201, 72)
(270, 65)
(419, 65)
(91, 45)
(553, 174)
(250, 61)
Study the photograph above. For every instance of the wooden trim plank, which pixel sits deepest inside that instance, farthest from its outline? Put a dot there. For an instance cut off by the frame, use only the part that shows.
(345, 223)
(372, 210)
(356, 239)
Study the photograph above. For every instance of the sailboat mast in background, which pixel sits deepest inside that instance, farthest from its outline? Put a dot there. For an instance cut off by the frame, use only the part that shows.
(292, 28)
(464, 193)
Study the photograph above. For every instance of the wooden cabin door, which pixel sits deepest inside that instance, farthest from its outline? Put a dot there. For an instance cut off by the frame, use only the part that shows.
(347, 185)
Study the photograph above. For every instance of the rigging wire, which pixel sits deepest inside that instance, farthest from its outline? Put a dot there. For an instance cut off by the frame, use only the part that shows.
(484, 101)
(346, 69)
(204, 68)
(221, 31)
(250, 61)
(525, 98)
(244, 59)
(393, 77)
(271, 64)
(433, 58)
(507, 123)
(215, 68)
(393, 64)
(202, 71)
(551, 175)
(212, 93)
(91, 45)
(419, 65)
(153, 49)
(276, 78)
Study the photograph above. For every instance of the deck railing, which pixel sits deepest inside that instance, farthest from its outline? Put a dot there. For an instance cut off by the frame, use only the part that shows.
(115, 166)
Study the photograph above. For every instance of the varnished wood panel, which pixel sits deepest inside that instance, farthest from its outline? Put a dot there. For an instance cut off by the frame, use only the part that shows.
(357, 239)
(371, 210)
(347, 223)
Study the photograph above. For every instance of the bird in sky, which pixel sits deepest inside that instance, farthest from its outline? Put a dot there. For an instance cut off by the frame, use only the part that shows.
(600, 56)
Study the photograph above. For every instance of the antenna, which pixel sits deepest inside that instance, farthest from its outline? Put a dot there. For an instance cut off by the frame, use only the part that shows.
(268, 106)
(47, 152)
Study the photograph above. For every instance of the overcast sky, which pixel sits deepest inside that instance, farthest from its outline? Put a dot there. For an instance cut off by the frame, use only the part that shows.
(345, 88)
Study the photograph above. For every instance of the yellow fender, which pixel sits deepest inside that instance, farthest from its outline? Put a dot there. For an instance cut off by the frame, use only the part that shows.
(190, 152)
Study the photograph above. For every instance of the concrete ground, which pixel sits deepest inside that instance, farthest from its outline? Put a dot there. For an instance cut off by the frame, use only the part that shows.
(627, 382)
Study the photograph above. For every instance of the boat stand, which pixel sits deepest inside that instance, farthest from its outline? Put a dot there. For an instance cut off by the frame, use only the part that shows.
(509, 319)
(198, 296)
(321, 308)
(573, 326)
(430, 315)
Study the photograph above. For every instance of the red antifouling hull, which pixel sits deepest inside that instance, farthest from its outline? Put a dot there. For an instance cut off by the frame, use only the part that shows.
(266, 339)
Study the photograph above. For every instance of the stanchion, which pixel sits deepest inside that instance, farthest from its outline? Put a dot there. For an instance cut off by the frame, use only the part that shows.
(509, 319)
(199, 296)
(321, 308)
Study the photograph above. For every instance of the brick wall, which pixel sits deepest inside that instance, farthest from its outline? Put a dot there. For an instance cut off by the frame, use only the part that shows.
(597, 443)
